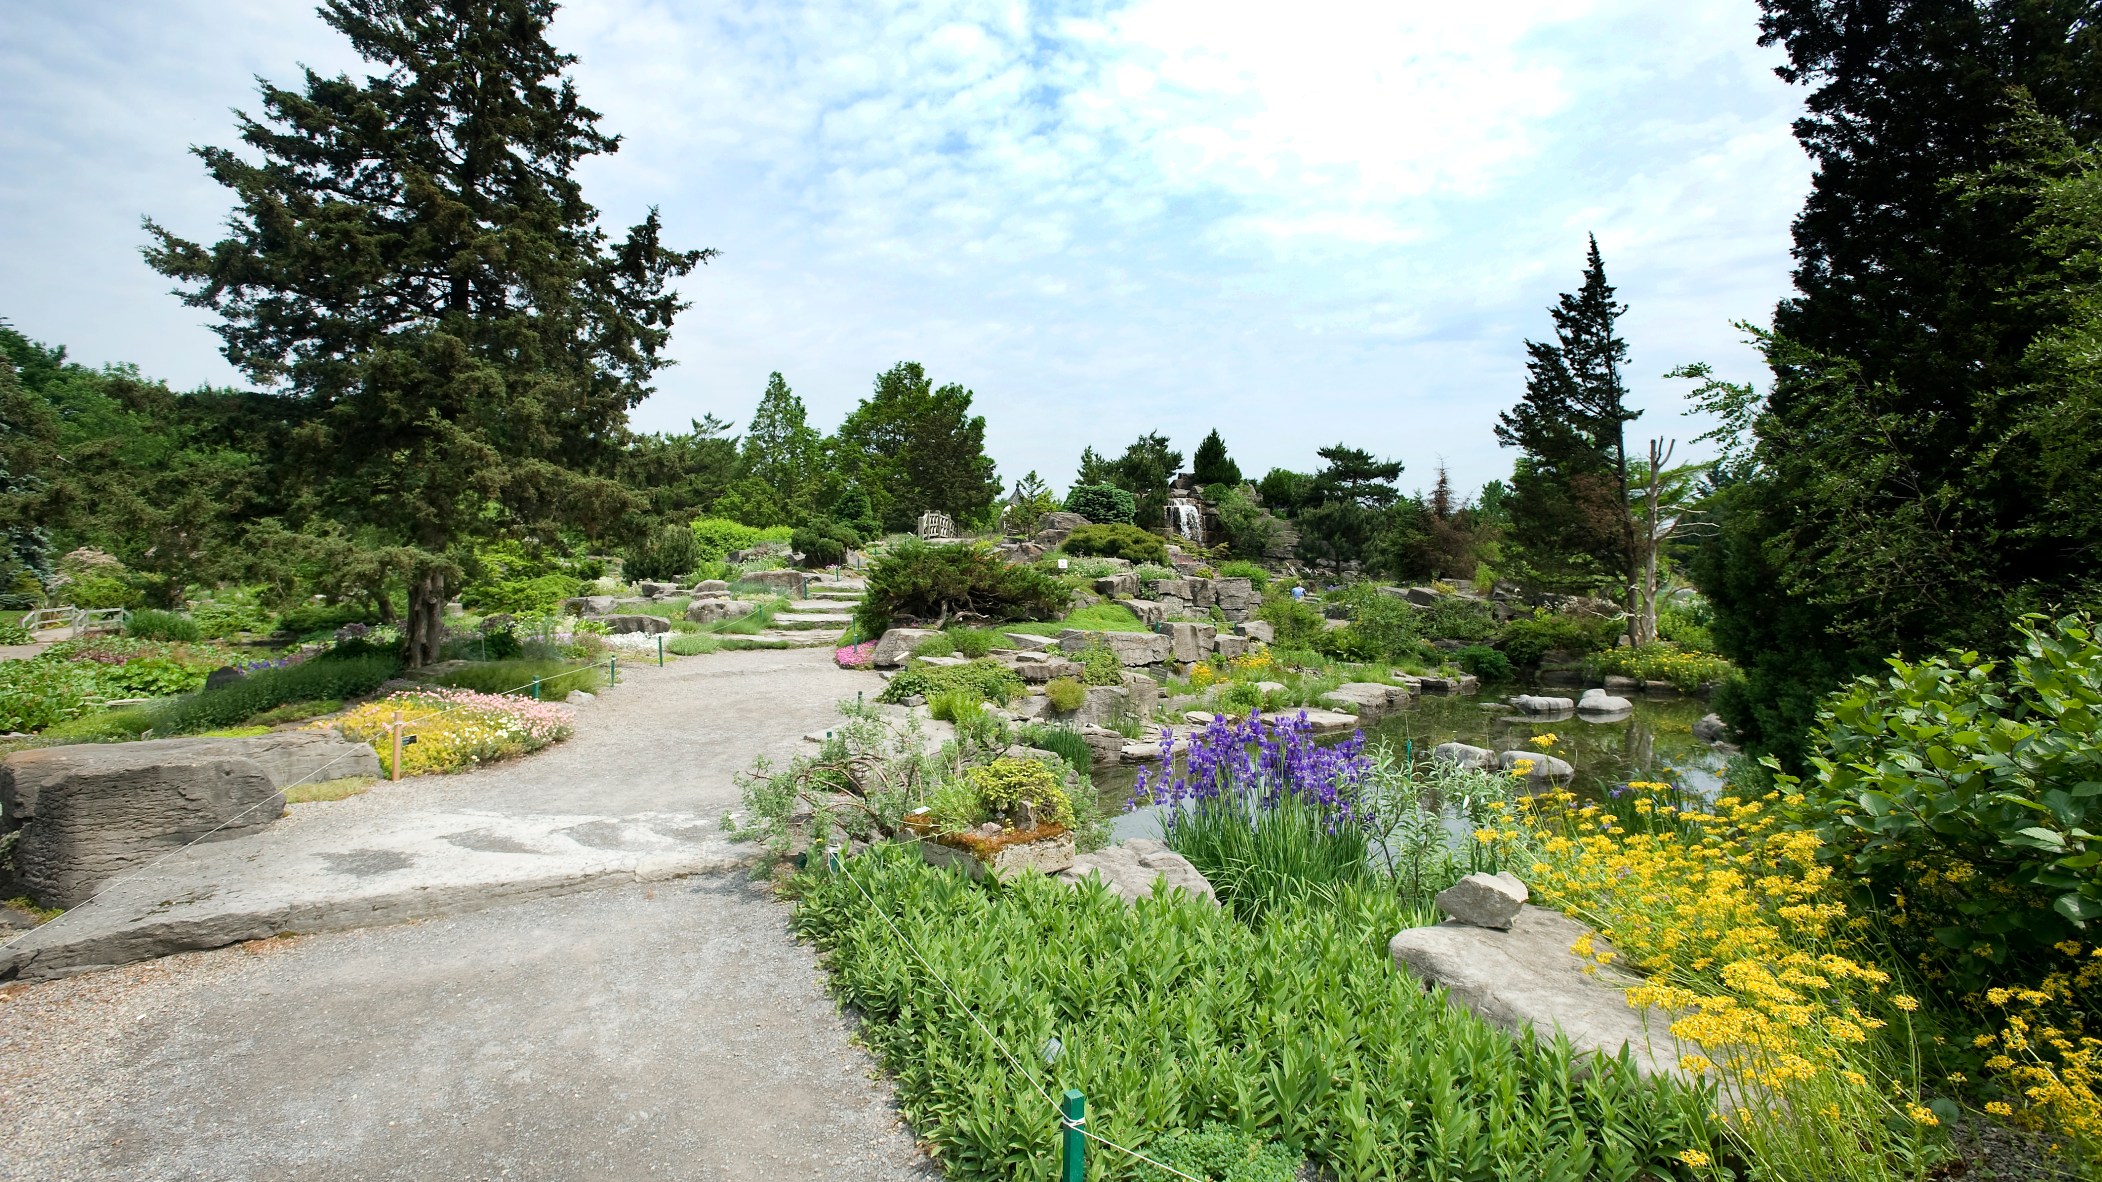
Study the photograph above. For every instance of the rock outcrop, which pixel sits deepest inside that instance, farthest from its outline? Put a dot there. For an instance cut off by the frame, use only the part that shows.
(1138, 868)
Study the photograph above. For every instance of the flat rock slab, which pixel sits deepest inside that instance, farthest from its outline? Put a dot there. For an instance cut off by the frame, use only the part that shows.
(800, 620)
(303, 876)
(1526, 978)
(1138, 868)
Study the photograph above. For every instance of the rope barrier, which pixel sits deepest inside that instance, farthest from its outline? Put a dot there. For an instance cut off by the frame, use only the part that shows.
(131, 875)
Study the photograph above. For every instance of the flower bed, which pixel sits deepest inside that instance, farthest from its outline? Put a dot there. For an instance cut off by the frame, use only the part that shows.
(455, 729)
(71, 679)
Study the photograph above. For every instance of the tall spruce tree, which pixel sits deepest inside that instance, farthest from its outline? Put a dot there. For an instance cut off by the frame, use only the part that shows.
(1210, 464)
(782, 449)
(915, 447)
(412, 259)
(1569, 505)
(1897, 500)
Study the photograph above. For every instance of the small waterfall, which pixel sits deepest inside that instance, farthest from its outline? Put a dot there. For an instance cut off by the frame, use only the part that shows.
(1186, 520)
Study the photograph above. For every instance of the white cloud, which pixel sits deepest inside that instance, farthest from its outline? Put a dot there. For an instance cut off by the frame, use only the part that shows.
(1294, 224)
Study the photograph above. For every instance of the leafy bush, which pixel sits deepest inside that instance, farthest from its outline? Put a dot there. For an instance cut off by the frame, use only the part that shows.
(1103, 504)
(716, 538)
(1009, 782)
(1299, 1022)
(326, 676)
(1296, 623)
(1455, 617)
(668, 554)
(974, 642)
(1664, 662)
(38, 694)
(1249, 530)
(1528, 638)
(1220, 1153)
(957, 705)
(990, 680)
(1127, 542)
(1966, 796)
(1100, 664)
(1253, 572)
(222, 618)
(542, 593)
(1065, 694)
(12, 631)
(1381, 626)
(824, 543)
(1686, 626)
(153, 624)
(921, 581)
(455, 729)
(1484, 662)
(557, 678)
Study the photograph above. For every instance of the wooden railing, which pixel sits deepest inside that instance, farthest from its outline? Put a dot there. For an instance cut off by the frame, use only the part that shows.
(79, 621)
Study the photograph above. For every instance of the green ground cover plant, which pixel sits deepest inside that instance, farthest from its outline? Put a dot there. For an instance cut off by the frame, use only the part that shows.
(326, 676)
(1243, 569)
(1095, 617)
(1664, 661)
(154, 624)
(557, 677)
(1174, 1015)
(989, 680)
(1128, 542)
(1065, 694)
(1219, 1152)
(71, 679)
(1526, 639)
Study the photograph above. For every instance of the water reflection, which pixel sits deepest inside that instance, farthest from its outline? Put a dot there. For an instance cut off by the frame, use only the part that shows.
(1654, 741)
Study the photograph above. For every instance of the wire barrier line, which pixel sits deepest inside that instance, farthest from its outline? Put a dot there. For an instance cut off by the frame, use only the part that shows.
(141, 871)
(1080, 1125)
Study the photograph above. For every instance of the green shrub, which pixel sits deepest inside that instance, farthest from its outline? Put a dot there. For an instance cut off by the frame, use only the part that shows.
(1297, 1027)
(1219, 1153)
(716, 538)
(153, 624)
(327, 676)
(1455, 617)
(926, 582)
(959, 706)
(1484, 662)
(543, 593)
(668, 554)
(1986, 776)
(557, 678)
(1151, 573)
(1103, 504)
(221, 619)
(1528, 638)
(824, 543)
(692, 644)
(322, 619)
(43, 693)
(1686, 626)
(1065, 694)
(1127, 542)
(1241, 569)
(1100, 664)
(12, 631)
(1296, 623)
(1064, 742)
(1009, 782)
(1382, 627)
(954, 806)
(938, 645)
(975, 642)
(990, 680)
(97, 590)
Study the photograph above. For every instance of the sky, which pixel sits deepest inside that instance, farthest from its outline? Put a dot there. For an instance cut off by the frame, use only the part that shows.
(1298, 224)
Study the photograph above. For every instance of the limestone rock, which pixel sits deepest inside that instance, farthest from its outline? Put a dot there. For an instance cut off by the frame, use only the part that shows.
(1132, 648)
(1118, 586)
(1029, 643)
(1040, 671)
(1421, 596)
(1256, 630)
(1143, 693)
(1369, 697)
(1527, 978)
(1616, 684)
(897, 645)
(1484, 900)
(89, 812)
(1270, 687)
(1466, 756)
(1598, 701)
(1543, 767)
(1711, 729)
(656, 590)
(709, 609)
(711, 587)
(1138, 868)
(1149, 612)
(1229, 646)
(1048, 855)
(1540, 704)
(1237, 598)
(791, 583)
(1190, 642)
(622, 625)
(1061, 519)
(588, 605)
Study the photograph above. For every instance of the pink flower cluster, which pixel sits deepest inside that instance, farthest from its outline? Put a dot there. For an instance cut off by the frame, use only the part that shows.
(544, 722)
(856, 656)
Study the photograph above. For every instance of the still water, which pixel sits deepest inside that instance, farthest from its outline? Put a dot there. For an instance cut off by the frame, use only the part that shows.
(1655, 742)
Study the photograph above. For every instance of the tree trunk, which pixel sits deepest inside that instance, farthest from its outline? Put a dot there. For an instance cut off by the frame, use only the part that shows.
(426, 619)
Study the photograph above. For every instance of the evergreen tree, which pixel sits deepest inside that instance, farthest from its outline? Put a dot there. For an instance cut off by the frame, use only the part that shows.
(1144, 471)
(1351, 498)
(1569, 505)
(1211, 466)
(1093, 468)
(28, 452)
(1904, 484)
(915, 448)
(412, 261)
(782, 450)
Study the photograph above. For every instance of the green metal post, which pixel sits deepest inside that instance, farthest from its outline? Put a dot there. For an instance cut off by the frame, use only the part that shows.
(612, 670)
(660, 651)
(536, 689)
(1074, 1109)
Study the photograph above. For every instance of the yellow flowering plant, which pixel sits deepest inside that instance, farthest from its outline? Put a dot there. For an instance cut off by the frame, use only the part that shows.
(454, 729)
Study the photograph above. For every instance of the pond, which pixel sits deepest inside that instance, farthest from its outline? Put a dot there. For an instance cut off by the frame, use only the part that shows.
(1655, 742)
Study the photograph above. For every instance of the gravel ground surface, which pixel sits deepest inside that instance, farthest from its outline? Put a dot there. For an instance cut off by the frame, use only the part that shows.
(669, 1030)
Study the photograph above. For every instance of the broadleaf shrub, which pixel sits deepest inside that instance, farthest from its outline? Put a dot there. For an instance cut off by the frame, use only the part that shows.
(1966, 796)
(153, 624)
(1103, 504)
(1484, 662)
(1124, 541)
(1456, 617)
(990, 680)
(1242, 569)
(1528, 638)
(928, 582)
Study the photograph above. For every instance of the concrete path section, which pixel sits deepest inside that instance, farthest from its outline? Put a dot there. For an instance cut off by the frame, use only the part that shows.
(670, 1030)
(637, 794)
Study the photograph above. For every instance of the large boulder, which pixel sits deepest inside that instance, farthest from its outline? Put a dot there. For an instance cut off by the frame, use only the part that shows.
(1138, 868)
(588, 605)
(711, 587)
(897, 644)
(649, 589)
(1132, 648)
(1598, 701)
(1190, 642)
(1526, 978)
(1542, 704)
(1230, 646)
(709, 609)
(1257, 631)
(1467, 756)
(1540, 768)
(1237, 598)
(85, 814)
(1062, 520)
(1118, 586)
(623, 625)
(1149, 611)
(1711, 729)
(782, 582)
(1144, 694)
(1484, 900)
(1368, 697)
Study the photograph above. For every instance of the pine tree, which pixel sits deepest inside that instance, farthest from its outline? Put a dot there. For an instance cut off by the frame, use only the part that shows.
(1569, 509)
(412, 259)
(915, 447)
(1093, 468)
(781, 449)
(1211, 466)
(1144, 471)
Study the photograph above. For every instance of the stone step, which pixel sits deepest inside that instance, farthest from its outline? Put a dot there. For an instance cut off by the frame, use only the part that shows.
(832, 621)
(818, 606)
(806, 638)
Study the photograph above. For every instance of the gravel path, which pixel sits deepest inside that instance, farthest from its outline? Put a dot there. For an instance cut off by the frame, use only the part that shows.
(669, 1030)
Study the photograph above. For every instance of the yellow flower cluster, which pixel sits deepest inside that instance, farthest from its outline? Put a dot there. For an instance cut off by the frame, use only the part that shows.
(1254, 662)
(453, 729)
(1745, 943)
(2045, 1056)
(1203, 675)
